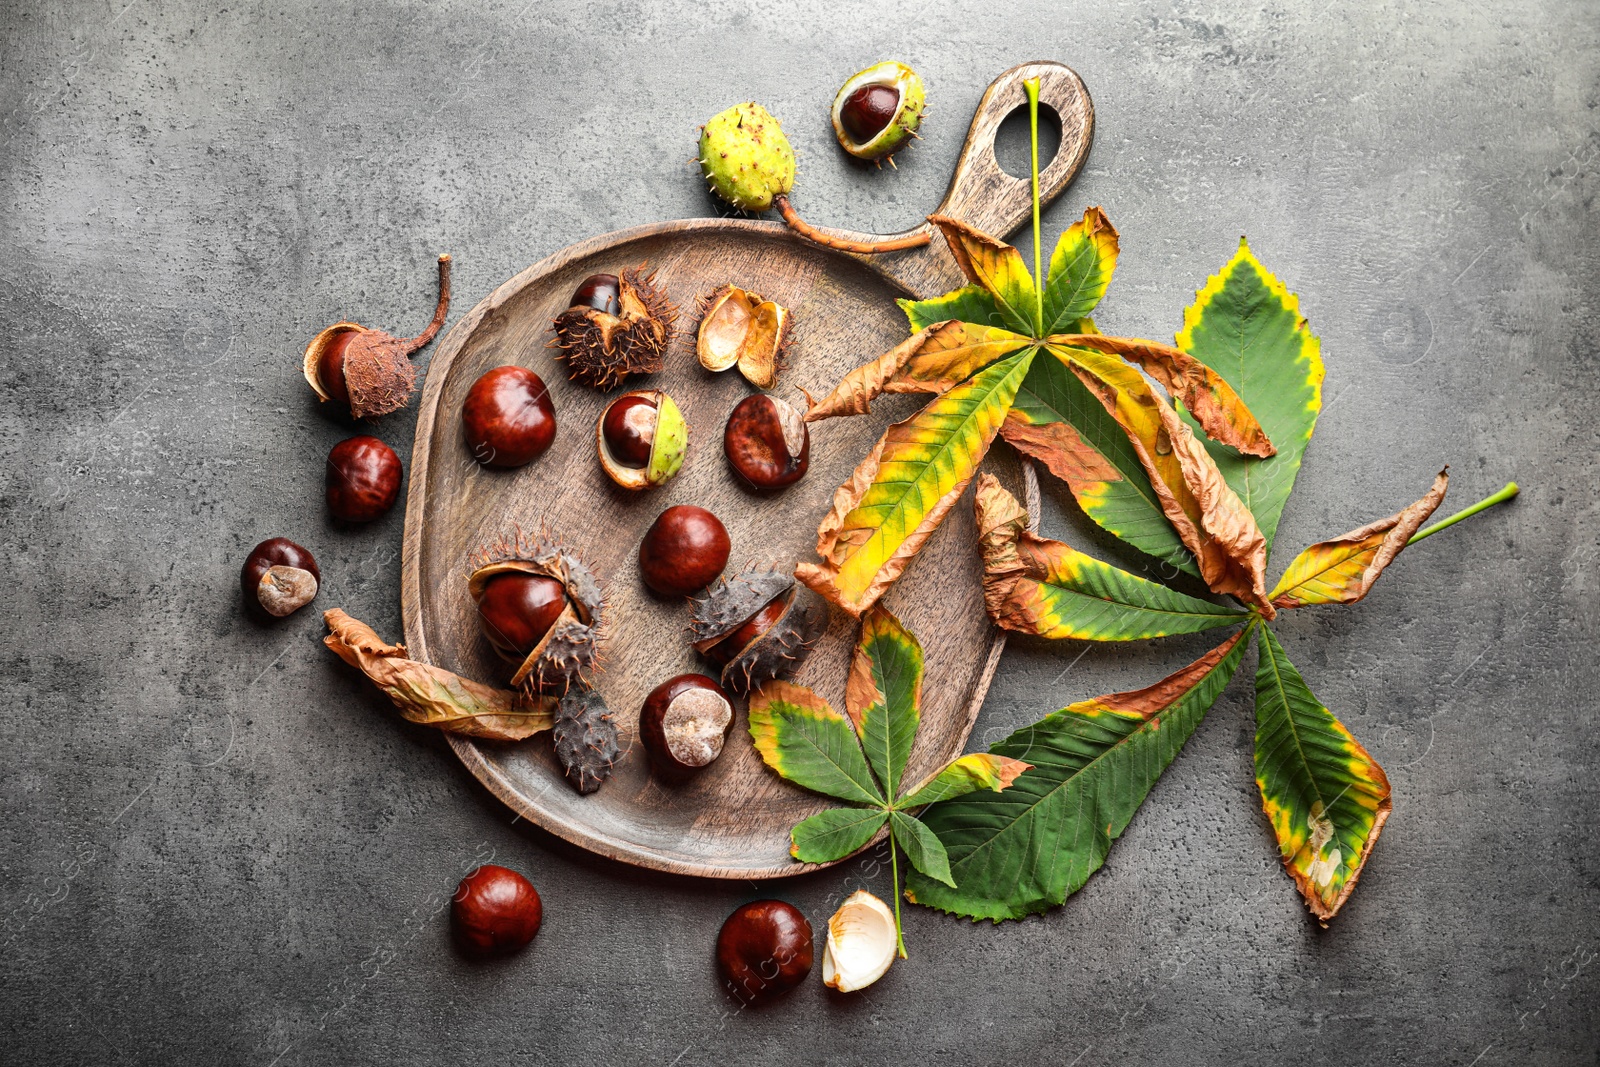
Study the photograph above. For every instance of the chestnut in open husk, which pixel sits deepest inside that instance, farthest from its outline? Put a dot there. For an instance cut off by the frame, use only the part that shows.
(368, 369)
(507, 418)
(684, 723)
(739, 328)
(641, 438)
(767, 442)
(614, 327)
(362, 479)
(758, 625)
(541, 609)
(764, 949)
(878, 110)
(683, 551)
(279, 577)
(495, 912)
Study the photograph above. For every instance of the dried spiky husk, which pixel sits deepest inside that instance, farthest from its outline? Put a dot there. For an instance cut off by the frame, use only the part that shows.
(585, 738)
(740, 328)
(378, 372)
(569, 655)
(776, 651)
(602, 350)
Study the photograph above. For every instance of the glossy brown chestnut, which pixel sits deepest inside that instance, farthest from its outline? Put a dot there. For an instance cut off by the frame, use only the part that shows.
(516, 610)
(330, 367)
(767, 442)
(683, 551)
(279, 577)
(630, 430)
(363, 479)
(867, 111)
(684, 723)
(508, 417)
(603, 292)
(724, 651)
(495, 911)
(764, 950)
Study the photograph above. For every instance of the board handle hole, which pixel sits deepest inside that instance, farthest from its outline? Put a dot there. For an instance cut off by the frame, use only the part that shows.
(1011, 149)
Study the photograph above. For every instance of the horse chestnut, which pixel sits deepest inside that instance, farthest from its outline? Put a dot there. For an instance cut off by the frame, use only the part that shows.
(641, 438)
(629, 429)
(684, 549)
(495, 911)
(363, 479)
(279, 577)
(767, 442)
(517, 609)
(725, 651)
(764, 950)
(684, 723)
(868, 111)
(878, 110)
(508, 417)
(603, 292)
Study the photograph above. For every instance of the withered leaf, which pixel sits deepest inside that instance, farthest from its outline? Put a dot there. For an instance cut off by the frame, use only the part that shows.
(935, 360)
(1210, 399)
(433, 696)
(1342, 570)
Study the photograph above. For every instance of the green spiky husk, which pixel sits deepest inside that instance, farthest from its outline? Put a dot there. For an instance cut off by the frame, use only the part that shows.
(745, 157)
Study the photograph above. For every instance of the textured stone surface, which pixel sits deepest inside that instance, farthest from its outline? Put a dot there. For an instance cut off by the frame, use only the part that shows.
(216, 846)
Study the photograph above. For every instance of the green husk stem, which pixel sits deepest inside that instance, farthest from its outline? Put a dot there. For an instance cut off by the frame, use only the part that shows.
(1508, 493)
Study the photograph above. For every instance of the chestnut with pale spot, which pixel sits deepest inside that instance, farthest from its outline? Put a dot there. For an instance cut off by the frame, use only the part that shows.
(279, 577)
(684, 723)
(767, 443)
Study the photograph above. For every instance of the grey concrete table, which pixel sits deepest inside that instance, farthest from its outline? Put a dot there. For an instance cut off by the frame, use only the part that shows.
(220, 847)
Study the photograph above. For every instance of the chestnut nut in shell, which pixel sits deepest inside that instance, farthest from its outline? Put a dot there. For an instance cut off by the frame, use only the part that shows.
(767, 442)
(495, 911)
(764, 950)
(279, 577)
(683, 551)
(363, 479)
(540, 608)
(517, 609)
(684, 723)
(757, 624)
(615, 326)
(641, 438)
(878, 110)
(508, 418)
(366, 369)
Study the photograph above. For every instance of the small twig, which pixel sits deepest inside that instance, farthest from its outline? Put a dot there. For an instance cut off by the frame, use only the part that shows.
(867, 248)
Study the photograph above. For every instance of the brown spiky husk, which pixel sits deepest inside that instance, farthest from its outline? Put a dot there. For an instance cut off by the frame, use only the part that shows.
(603, 350)
(781, 647)
(571, 652)
(379, 373)
(585, 738)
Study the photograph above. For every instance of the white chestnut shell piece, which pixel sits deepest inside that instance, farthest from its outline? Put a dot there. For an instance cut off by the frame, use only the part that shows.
(861, 943)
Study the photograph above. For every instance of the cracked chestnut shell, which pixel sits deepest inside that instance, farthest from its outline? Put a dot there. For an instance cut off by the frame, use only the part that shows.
(757, 624)
(683, 551)
(363, 479)
(495, 911)
(279, 577)
(767, 442)
(508, 418)
(684, 723)
(764, 950)
(540, 608)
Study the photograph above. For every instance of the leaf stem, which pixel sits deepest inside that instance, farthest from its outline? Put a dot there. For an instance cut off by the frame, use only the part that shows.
(894, 866)
(1508, 493)
(1031, 86)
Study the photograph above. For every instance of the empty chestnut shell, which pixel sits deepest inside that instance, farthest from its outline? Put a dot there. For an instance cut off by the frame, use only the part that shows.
(508, 417)
(764, 950)
(767, 442)
(684, 723)
(517, 609)
(279, 577)
(363, 479)
(683, 551)
(495, 911)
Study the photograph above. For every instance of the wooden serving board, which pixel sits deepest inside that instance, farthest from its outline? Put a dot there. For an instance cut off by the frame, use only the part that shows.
(733, 819)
